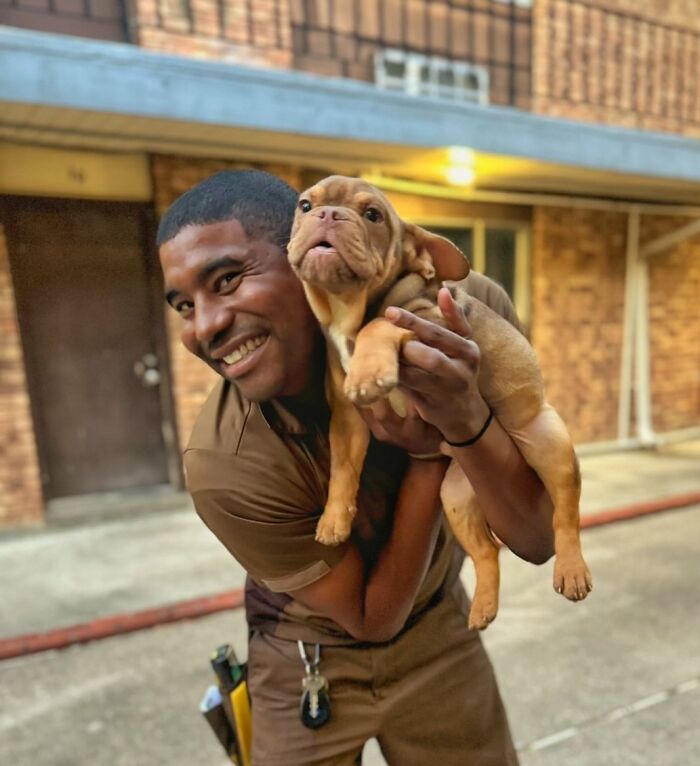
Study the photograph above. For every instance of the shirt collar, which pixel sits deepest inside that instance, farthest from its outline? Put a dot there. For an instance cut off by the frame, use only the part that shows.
(279, 418)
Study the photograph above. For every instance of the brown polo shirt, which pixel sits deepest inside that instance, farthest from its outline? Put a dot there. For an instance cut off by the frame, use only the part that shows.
(259, 477)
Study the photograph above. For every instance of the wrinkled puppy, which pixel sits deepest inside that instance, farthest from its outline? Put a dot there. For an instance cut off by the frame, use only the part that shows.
(355, 257)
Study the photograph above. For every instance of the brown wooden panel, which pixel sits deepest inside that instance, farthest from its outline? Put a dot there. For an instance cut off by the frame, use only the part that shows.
(439, 33)
(415, 16)
(460, 23)
(296, 11)
(482, 37)
(318, 42)
(69, 7)
(78, 26)
(500, 33)
(344, 16)
(33, 5)
(319, 13)
(523, 54)
(86, 314)
(345, 47)
(105, 9)
(392, 22)
(369, 19)
(500, 85)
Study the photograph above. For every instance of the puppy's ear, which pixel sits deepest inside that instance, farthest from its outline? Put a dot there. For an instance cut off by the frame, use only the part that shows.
(429, 254)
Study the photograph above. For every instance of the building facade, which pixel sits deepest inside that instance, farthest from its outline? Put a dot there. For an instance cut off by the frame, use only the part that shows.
(556, 141)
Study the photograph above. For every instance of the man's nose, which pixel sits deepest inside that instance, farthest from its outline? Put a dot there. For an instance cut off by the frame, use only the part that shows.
(329, 213)
(211, 319)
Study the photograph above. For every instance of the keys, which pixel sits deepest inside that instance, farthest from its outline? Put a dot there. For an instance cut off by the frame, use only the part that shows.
(315, 704)
(314, 708)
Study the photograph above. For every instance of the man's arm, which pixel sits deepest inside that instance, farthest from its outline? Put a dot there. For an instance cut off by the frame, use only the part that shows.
(372, 604)
(439, 373)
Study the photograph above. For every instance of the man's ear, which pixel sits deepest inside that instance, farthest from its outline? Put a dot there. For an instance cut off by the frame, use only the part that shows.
(429, 254)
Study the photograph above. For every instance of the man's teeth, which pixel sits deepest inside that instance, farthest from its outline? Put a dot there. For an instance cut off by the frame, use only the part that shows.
(244, 349)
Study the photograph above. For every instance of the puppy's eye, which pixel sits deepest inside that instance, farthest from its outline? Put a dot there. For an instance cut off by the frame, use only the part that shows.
(373, 215)
(304, 205)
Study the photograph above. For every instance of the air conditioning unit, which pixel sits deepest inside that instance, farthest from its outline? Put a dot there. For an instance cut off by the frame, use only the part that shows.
(420, 75)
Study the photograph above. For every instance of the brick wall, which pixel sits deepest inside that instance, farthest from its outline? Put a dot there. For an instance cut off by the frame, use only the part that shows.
(20, 484)
(625, 62)
(192, 379)
(578, 272)
(674, 287)
(250, 33)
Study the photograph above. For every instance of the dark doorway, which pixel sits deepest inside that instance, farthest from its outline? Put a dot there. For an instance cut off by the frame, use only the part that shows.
(93, 341)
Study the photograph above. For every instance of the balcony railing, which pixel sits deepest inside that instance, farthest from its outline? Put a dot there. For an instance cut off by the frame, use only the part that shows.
(259, 24)
(101, 19)
(341, 37)
(638, 70)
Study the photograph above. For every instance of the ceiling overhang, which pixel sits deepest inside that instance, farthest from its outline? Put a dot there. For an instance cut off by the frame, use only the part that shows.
(76, 93)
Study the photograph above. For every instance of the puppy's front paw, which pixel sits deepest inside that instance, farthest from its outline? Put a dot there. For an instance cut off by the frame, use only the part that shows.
(334, 525)
(572, 578)
(481, 615)
(371, 377)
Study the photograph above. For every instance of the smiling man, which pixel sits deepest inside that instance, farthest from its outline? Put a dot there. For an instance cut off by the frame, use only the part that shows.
(386, 610)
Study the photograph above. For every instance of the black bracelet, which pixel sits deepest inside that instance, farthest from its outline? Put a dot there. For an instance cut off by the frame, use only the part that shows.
(474, 439)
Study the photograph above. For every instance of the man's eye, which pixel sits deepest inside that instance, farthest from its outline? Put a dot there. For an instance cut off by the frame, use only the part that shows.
(373, 215)
(227, 279)
(304, 205)
(185, 308)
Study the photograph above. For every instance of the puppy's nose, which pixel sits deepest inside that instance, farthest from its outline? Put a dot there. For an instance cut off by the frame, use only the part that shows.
(330, 213)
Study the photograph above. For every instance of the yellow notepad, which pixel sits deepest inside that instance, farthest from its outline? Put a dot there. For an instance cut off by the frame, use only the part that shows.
(240, 705)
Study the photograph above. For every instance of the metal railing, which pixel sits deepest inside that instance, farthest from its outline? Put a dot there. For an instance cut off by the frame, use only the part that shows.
(235, 21)
(491, 34)
(341, 36)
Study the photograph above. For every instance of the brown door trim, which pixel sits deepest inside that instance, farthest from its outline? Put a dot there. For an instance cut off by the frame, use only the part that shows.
(161, 341)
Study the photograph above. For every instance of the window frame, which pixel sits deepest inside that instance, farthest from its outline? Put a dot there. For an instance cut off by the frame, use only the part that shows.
(522, 297)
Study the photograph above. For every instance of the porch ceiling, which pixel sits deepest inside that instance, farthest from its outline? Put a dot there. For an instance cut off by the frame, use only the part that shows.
(93, 95)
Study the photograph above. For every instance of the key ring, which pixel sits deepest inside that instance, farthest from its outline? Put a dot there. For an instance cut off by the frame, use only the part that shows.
(311, 667)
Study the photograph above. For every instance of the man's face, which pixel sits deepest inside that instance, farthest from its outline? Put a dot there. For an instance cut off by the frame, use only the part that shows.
(243, 310)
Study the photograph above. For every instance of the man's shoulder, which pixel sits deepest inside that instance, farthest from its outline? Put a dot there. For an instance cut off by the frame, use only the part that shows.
(489, 292)
(221, 421)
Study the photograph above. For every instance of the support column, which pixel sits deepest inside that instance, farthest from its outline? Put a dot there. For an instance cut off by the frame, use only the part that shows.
(628, 327)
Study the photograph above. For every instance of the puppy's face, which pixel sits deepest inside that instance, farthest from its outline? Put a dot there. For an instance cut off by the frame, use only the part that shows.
(345, 235)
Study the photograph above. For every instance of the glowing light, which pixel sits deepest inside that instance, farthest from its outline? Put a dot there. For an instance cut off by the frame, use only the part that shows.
(460, 170)
(460, 176)
(460, 155)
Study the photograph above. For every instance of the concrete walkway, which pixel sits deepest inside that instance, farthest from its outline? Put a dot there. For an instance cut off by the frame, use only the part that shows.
(60, 576)
(612, 681)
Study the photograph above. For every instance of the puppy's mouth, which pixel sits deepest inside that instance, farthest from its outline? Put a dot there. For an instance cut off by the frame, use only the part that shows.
(324, 247)
(325, 266)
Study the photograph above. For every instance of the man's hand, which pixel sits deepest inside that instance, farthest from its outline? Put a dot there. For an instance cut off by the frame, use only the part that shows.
(439, 371)
(410, 433)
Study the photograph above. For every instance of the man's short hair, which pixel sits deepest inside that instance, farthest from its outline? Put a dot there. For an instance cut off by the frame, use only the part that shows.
(263, 203)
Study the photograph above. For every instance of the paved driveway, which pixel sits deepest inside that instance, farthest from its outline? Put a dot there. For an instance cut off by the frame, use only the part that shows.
(612, 681)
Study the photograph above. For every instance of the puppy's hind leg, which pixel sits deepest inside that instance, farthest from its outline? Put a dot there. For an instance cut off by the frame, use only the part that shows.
(469, 527)
(546, 445)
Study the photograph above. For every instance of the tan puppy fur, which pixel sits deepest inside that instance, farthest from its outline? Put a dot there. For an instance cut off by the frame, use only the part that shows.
(355, 257)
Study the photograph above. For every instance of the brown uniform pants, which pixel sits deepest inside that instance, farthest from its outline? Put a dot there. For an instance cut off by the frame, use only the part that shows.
(428, 697)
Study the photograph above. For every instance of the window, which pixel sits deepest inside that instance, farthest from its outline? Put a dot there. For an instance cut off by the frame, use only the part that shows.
(420, 75)
(501, 250)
